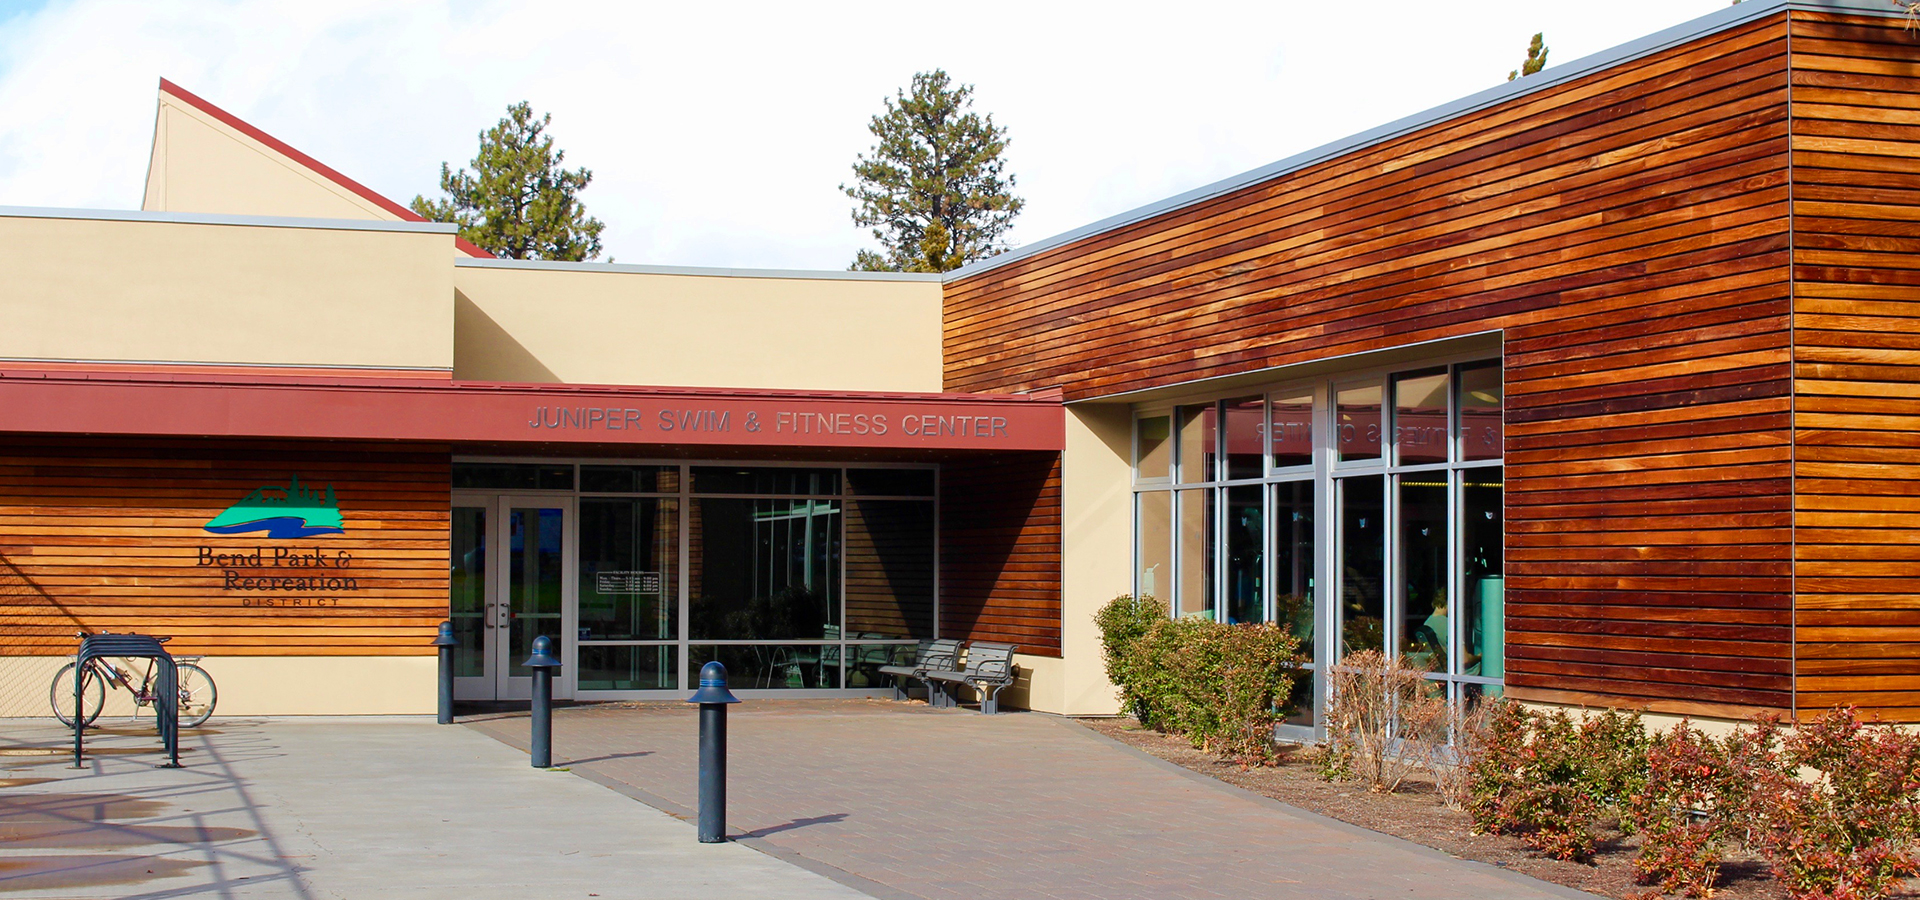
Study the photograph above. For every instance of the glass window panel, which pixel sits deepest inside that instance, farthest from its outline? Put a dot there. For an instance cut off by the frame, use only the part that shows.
(1422, 566)
(630, 479)
(1153, 449)
(1362, 570)
(1482, 396)
(1301, 699)
(864, 662)
(1197, 443)
(1357, 422)
(1154, 554)
(533, 582)
(1245, 567)
(1420, 418)
(1293, 561)
(1292, 428)
(1483, 621)
(764, 569)
(890, 571)
(1196, 553)
(890, 482)
(769, 666)
(746, 480)
(469, 590)
(1245, 420)
(629, 585)
(512, 477)
(604, 668)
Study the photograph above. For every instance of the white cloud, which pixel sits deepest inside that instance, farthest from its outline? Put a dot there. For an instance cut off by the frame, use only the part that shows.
(718, 133)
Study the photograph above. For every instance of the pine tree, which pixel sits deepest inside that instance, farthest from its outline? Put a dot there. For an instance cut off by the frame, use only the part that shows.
(1536, 58)
(933, 189)
(518, 203)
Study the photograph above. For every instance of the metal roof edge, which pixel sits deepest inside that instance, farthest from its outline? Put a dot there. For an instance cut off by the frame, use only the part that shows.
(1716, 21)
(185, 218)
(703, 271)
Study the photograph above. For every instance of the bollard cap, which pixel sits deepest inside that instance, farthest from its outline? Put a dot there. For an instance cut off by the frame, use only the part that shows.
(446, 638)
(713, 686)
(542, 657)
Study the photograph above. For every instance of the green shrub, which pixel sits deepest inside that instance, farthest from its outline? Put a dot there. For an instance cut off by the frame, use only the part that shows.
(1222, 686)
(1549, 779)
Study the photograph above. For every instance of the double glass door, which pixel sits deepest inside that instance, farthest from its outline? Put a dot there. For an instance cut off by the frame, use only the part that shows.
(510, 584)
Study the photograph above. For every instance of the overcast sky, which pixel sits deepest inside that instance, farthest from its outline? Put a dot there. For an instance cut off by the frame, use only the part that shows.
(718, 134)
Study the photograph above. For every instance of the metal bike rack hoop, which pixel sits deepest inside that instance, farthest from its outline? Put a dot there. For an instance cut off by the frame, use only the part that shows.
(167, 693)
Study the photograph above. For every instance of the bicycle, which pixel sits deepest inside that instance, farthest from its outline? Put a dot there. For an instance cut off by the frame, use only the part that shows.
(197, 693)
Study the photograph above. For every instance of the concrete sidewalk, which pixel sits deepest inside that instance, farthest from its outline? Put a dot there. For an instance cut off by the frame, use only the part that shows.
(353, 808)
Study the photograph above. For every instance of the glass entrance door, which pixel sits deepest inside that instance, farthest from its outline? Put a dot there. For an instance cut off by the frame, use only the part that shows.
(510, 563)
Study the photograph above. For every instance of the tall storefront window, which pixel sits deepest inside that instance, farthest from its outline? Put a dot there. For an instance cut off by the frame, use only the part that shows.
(1383, 487)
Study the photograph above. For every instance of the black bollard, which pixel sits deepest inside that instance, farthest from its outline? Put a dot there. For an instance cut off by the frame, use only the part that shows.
(713, 698)
(542, 663)
(446, 643)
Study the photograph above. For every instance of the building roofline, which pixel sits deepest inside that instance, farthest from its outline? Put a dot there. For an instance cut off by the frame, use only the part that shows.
(701, 271)
(1719, 20)
(311, 164)
(186, 218)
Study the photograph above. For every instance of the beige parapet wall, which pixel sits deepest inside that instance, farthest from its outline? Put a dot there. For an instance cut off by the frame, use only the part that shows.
(255, 685)
(607, 324)
(149, 287)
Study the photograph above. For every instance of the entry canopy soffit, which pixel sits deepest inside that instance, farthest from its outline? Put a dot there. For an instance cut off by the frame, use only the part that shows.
(202, 403)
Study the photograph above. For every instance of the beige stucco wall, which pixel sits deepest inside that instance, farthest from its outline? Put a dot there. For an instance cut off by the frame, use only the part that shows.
(256, 685)
(139, 289)
(1096, 518)
(201, 164)
(600, 325)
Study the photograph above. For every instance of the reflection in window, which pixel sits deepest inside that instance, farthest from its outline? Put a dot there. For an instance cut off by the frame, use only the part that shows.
(1481, 400)
(1422, 558)
(769, 666)
(890, 482)
(1196, 553)
(1153, 451)
(1245, 453)
(1420, 418)
(1155, 552)
(1245, 598)
(1357, 423)
(1482, 636)
(1292, 428)
(469, 590)
(769, 480)
(890, 572)
(628, 584)
(764, 569)
(627, 668)
(1197, 443)
(630, 479)
(1362, 556)
(1293, 561)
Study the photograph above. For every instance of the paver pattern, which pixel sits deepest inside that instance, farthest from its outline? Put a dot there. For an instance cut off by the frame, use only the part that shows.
(905, 801)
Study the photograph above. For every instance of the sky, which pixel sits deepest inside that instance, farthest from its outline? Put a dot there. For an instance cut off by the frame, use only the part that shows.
(719, 134)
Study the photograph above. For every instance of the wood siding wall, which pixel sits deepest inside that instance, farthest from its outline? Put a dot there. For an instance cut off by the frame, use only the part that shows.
(1856, 174)
(1627, 231)
(106, 536)
(1000, 550)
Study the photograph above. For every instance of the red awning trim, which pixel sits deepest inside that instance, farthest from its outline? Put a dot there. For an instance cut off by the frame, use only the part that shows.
(332, 406)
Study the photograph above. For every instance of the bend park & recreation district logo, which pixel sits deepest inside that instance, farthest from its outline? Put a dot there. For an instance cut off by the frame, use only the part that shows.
(294, 511)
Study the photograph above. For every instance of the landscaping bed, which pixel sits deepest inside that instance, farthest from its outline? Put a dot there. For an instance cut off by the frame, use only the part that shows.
(1416, 814)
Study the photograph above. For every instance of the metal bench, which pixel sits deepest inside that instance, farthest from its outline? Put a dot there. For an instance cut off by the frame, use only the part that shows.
(941, 654)
(989, 670)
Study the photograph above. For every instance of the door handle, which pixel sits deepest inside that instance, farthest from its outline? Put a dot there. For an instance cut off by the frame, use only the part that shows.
(487, 617)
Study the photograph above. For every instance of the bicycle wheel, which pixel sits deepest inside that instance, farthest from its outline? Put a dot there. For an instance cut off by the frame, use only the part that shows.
(93, 694)
(197, 695)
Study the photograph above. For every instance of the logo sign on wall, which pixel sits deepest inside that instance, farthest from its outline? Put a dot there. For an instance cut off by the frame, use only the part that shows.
(293, 511)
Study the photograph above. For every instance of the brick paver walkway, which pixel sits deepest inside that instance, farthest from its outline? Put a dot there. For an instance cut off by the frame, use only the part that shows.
(903, 801)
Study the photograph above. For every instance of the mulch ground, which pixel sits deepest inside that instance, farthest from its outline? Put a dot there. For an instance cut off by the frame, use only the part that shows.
(1416, 814)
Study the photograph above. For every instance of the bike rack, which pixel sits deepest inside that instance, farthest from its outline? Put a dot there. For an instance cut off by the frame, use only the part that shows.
(167, 704)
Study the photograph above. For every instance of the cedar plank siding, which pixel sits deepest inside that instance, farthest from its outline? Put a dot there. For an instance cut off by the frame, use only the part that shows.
(1000, 550)
(1627, 231)
(1856, 165)
(102, 535)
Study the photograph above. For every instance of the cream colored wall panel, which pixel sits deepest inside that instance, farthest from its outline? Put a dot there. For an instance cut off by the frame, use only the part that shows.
(614, 327)
(1096, 517)
(254, 686)
(145, 290)
(203, 165)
